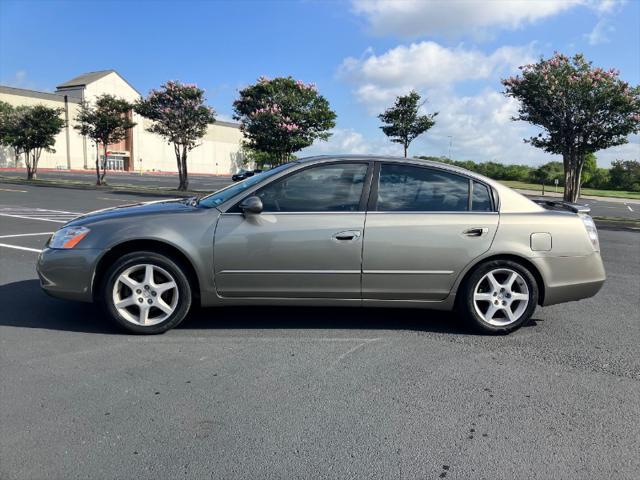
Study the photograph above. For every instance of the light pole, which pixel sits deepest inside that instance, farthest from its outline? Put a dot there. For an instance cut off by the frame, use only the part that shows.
(450, 142)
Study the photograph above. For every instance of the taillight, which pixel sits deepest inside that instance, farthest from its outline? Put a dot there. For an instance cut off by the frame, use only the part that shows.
(591, 231)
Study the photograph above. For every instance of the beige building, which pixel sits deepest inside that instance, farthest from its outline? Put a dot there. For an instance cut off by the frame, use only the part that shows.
(218, 152)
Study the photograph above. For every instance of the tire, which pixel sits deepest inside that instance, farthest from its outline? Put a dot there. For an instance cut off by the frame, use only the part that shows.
(498, 307)
(148, 282)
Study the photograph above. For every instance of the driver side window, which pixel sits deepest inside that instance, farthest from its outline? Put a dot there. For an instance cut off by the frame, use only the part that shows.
(326, 188)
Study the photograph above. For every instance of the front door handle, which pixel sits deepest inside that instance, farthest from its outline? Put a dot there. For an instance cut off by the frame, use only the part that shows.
(347, 235)
(475, 232)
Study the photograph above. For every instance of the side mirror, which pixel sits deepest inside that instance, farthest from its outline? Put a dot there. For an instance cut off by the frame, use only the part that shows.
(251, 204)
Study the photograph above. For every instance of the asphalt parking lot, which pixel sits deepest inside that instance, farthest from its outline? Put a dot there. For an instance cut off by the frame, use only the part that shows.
(310, 393)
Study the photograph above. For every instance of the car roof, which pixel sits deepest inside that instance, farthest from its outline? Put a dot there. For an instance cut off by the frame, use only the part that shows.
(391, 159)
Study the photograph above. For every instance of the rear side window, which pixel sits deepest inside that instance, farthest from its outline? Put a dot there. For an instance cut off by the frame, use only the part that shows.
(481, 199)
(405, 188)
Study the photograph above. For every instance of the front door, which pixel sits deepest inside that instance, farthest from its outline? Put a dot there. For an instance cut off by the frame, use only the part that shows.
(307, 242)
(424, 226)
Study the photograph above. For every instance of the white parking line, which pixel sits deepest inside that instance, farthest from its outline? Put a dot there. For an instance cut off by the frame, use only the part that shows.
(12, 190)
(42, 214)
(25, 235)
(630, 209)
(33, 218)
(20, 248)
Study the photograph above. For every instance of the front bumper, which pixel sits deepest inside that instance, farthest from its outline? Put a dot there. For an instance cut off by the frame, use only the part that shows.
(567, 279)
(68, 274)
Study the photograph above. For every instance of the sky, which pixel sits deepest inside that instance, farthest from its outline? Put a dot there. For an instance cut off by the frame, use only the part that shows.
(360, 53)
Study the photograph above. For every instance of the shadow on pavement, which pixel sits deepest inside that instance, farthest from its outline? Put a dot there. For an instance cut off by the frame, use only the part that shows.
(23, 304)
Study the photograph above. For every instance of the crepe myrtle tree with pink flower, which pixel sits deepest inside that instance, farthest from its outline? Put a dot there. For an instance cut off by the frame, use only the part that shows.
(179, 114)
(580, 108)
(105, 121)
(281, 116)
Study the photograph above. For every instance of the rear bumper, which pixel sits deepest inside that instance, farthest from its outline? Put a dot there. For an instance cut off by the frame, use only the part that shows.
(567, 279)
(67, 274)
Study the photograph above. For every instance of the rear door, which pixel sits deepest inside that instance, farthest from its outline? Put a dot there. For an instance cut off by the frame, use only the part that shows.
(424, 225)
(307, 242)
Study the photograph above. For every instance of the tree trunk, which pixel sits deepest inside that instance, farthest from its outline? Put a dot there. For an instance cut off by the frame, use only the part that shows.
(406, 147)
(573, 164)
(97, 165)
(104, 167)
(176, 149)
(184, 182)
(27, 164)
(35, 158)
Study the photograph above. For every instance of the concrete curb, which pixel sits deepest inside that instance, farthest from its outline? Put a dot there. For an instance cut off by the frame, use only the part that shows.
(152, 191)
(538, 193)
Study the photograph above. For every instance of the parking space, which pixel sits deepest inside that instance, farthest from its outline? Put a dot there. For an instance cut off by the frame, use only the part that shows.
(393, 393)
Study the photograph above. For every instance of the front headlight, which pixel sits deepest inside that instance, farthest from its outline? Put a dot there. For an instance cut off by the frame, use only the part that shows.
(68, 237)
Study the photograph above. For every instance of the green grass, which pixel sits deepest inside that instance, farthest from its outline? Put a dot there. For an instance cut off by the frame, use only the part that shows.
(585, 191)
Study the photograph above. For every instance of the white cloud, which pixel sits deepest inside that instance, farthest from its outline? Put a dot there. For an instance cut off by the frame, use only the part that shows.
(379, 78)
(344, 141)
(19, 79)
(479, 128)
(628, 151)
(411, 18)
(600, 32)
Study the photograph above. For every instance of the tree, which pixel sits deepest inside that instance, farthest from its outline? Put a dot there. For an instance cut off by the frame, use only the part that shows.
(8, 127)
(588, 169)
(600, 179)
(30, 130)
(258, 158)
(581, 109)
(625, 175)
(282, 116)
(105, 122)
(403, 122)
(548, 173)
(179, 114)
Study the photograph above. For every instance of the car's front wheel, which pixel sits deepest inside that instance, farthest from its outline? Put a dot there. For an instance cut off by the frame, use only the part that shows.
(146, 292)
(499, 296)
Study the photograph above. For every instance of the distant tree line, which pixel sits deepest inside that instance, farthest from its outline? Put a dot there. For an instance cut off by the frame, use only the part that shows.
(623, 174)
(579, 109)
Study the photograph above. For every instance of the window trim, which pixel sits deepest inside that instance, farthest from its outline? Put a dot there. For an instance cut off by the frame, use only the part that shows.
(372, 205)
(364, 195)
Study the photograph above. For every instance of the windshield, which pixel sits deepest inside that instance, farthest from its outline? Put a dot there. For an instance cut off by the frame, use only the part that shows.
(221, 196)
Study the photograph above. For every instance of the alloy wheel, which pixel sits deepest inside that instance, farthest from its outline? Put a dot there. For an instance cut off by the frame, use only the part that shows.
(145, 295)
(501, 297)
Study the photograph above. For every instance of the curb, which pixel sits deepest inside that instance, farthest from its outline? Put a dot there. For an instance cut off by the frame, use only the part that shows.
(152, 191)
(111, 172)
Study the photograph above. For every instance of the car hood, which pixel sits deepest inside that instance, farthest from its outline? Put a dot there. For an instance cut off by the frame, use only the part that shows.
(176, 205)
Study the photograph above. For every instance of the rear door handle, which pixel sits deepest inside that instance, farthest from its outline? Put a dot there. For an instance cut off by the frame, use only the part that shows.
(476, 232)
(347, 235)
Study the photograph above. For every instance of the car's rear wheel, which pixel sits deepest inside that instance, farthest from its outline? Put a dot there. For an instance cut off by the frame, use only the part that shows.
(499, 296)
(146, 292)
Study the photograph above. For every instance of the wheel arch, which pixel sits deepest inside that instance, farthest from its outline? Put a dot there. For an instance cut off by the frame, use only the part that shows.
(148, 245)
(514, 258)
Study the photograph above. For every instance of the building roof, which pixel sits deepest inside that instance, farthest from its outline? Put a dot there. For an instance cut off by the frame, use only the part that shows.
(90, 77)
(35, 94)
(224, 123)
(85, 79)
